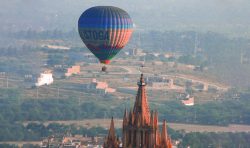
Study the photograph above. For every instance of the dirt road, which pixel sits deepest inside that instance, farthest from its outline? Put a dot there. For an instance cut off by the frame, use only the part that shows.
(177, 126)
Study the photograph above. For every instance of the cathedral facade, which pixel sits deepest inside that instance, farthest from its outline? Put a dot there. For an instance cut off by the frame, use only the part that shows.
(140, 126)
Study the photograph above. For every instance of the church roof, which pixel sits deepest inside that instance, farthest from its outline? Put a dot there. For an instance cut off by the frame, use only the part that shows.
(164, 134)
(137, 120)
(111, 135)
(141, 107)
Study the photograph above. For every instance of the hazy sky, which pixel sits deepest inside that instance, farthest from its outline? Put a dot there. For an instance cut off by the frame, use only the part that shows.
(163, 14)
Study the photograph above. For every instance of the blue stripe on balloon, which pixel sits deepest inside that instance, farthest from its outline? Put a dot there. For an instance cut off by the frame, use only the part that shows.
(105, 17)
(95, 23)
(104, 20)
(105, 27)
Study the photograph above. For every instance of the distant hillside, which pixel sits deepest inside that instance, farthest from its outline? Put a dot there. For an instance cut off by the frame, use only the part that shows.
(218, 15)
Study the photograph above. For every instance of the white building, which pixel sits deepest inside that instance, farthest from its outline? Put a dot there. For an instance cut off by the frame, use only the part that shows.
(45, 78)
(189, 101)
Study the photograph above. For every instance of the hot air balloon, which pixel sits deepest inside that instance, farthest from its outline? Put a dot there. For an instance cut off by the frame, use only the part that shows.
(105, 30)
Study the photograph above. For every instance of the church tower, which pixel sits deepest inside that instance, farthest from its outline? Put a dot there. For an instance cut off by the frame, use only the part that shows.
(140, 127)
(112, 141)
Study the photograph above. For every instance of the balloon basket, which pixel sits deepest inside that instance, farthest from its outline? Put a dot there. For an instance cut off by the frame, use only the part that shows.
(104, 69)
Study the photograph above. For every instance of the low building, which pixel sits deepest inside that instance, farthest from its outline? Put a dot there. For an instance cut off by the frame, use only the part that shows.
(168, 84)
(28, 77)
(136, 52)
(110, 90)
(73, 70)
(158, 63)
(160, 82)
(70, 141)
(100, 87)
(168, 55)
(56, 47)
(189, 101)
(45, 78)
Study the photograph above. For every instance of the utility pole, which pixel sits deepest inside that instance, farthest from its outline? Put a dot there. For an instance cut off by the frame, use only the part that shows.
(80, 110)
(104, 117)
(196, 44)
(37, 93)
(7, 82)
(195, 116)
(241, 57)
(139, 40)
(58, 92)
(144, 60)
(2, 74)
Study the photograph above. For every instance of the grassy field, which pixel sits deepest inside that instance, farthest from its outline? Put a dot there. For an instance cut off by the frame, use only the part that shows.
(121, 73)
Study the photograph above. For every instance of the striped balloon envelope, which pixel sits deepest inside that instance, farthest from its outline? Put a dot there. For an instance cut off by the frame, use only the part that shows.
(105, 30)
